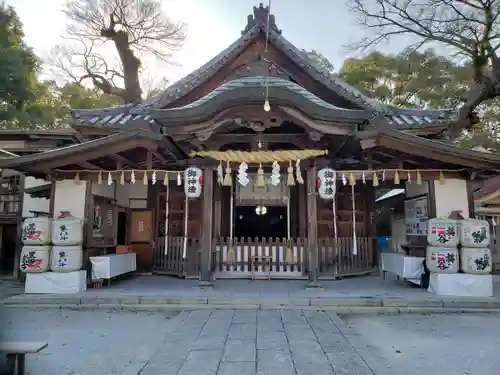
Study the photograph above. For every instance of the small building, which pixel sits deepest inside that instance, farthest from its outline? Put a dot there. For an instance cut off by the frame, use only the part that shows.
(259, 156)
(20, 196)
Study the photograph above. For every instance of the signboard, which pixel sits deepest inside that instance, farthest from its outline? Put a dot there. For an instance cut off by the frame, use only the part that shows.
(416, 216)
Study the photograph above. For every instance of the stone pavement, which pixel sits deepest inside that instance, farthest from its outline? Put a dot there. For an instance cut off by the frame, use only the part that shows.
(348, 295)
(265, 342)
(256, 342)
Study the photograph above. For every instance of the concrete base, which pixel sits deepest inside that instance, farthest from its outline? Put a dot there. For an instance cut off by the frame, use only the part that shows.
(56, 283)
(461, 285)
(205, 284)
(314, 285)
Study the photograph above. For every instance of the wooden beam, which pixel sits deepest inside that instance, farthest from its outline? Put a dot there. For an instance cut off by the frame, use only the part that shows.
(337, 151)
(124, 161)
(160, 157)
(173, 149)
(149, 160)
(87, 165)
(218, 140)
(95, 154)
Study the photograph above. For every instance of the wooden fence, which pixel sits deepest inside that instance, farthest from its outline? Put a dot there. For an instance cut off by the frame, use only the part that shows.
(288, 258)
(173, 262)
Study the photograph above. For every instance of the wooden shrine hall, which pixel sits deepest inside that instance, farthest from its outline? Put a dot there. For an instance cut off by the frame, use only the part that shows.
(259, 162)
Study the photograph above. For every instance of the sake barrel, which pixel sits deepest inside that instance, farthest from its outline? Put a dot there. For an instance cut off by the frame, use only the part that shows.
(67, 231)
(476, 261)
(442, 259)
(35, 259)
(474, 233)
(66, 258)
(36, 231)
(442, 232)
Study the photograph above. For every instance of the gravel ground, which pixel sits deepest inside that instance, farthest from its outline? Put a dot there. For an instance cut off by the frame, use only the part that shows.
(452, 344)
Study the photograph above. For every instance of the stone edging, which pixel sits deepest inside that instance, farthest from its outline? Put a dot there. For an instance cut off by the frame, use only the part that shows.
(157, 303)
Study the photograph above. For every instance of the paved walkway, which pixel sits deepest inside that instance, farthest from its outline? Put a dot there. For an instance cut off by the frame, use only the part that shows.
(264, 343)
(252, 342)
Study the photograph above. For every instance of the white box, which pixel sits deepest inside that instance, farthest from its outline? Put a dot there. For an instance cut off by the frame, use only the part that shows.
(461, 285)
(56, 282)
(112, 265)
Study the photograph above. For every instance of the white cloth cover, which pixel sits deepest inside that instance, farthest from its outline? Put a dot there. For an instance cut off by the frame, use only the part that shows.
(56, 283)
(402, 265)
(108, 266)
(461, 285)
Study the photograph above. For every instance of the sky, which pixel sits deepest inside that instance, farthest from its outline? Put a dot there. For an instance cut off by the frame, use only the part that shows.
(324, 25)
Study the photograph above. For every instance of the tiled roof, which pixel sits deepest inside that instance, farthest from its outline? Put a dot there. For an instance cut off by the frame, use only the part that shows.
(395, 118)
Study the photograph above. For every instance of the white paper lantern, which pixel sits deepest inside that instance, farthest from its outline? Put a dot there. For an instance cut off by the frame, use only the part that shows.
(193, 181)
(326, 183)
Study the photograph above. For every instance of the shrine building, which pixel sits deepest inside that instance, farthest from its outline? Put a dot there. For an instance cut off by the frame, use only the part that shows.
(258, 161)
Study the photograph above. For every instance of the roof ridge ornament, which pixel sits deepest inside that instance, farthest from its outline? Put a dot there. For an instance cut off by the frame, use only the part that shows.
(259, 18)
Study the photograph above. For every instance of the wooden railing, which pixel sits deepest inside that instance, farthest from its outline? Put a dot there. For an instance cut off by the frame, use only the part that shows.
(172, 261)
(288, 258)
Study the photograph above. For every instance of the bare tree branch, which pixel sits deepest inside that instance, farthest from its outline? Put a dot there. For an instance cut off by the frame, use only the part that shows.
(469, 27)
(136, 29)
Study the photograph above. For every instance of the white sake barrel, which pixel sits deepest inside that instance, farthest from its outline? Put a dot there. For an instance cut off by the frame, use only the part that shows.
(474, 233)
(475, 261)
(66, 258)
(35, 259)
(36, 231)
(67, 231)
(442, 232)
(442, 259)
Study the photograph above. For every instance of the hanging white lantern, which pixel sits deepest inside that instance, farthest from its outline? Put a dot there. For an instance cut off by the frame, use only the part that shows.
(193, 181)
(326, 183)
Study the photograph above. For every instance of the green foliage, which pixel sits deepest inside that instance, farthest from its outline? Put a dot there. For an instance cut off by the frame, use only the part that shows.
(53, 104)
(422, 80)
(409, 79)
(18, 67)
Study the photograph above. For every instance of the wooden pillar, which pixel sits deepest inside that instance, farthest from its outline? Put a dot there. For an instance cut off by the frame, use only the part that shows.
(470, 198)
(18, 244)
(207, 227)
(301, 201)
(218, 208)
(312, 227)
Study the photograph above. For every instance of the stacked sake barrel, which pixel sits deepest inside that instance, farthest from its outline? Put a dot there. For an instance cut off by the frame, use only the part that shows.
(459, 245)
(36, 239)
(475, 256)
(442, 252)
(67, 238)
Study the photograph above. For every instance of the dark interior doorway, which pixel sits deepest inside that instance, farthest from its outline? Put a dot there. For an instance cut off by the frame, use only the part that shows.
(121, 228)
(8, 251)
(271, 224)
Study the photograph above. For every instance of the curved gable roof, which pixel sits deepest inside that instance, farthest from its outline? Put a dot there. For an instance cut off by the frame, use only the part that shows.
(118, 117)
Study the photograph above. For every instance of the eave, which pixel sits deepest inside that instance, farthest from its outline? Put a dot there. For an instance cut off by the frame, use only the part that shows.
(431, 149)
(42, 163)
